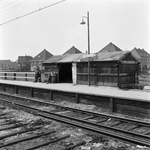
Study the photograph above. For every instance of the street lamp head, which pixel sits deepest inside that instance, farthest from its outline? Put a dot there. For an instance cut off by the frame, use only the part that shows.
(83, 22)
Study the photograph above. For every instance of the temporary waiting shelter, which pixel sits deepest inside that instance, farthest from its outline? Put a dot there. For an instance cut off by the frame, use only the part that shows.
(110, 68)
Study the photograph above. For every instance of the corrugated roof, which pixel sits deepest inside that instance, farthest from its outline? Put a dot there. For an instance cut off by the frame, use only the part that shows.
(71, 58)
(54, 59)
(109, 56)
(68, 58)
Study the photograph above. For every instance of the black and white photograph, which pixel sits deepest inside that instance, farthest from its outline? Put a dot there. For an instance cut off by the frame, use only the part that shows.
(74, 75)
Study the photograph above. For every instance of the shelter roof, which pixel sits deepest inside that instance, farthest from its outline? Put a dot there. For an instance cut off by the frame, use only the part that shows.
(109, 56)
(110, 48)
(71, 58)
(112, 56)
(54, 59)
(82, 57)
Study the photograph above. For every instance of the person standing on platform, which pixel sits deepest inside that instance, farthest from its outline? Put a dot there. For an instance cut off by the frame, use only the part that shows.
(37, 74)
(53, 76)
(49, 78)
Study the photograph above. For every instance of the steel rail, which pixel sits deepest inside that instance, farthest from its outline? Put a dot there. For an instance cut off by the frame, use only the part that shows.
(135, 121)
(116, 133)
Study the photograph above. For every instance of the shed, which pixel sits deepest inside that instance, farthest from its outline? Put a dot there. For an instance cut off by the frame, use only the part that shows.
(111, 69)
(63, 65)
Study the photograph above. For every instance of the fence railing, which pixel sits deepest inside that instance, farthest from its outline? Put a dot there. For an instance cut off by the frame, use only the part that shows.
(30, 76)
(144, 79)
(22, 76)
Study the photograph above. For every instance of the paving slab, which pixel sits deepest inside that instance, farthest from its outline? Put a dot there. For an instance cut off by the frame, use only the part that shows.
(106, 91)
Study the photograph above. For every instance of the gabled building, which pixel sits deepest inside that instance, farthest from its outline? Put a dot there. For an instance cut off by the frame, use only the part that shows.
(24, 63)
(39, 59)
(143, 57)
(110, 48)
(8, 65)
(72, 50)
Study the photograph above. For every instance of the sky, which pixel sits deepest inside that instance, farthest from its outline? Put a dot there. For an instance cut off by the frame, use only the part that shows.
(56, 28)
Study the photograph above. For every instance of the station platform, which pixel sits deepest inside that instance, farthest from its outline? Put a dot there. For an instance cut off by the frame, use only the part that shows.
(114, 92)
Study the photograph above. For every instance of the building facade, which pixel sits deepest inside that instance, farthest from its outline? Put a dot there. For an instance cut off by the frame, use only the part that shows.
(8, 65)
(24, 63)
(143, 57)
(39, 59)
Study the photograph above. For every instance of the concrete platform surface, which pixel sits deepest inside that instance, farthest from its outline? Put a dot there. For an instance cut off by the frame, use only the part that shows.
(141, 95)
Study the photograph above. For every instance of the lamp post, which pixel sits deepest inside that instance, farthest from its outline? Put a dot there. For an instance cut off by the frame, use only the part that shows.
(88, 29)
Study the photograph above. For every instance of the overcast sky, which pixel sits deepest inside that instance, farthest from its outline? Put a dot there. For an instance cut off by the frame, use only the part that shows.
(57, 28)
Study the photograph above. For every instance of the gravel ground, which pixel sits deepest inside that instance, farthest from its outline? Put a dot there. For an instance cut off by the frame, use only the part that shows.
(93, 141)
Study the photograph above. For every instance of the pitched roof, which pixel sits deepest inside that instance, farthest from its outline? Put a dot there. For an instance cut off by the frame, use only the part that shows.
(140, 53)
(63, 58)
(110, 48)
(82, 57)
(111, 56)
(42, 56)
(5, 62)
(54, 59)
(71, 58)
(72, 50)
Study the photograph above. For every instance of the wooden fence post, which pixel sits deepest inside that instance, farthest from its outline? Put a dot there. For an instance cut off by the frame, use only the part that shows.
(112, 105)
(51, 95)
(77, 98)
(5, 75)
(32, 92)
(14, 76)
(16, 89)
(26, 77)
(4, 88)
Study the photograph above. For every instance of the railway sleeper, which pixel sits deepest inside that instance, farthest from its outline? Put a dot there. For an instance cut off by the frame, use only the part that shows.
(54, 140)
(30, 137)
(13, 126)
(18, 132)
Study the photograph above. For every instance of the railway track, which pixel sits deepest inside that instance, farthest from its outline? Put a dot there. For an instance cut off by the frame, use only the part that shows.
(31, 131)
(107, 125)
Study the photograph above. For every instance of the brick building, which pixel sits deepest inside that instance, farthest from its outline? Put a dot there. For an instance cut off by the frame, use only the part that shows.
(8, 65)
(24, 63)
(143, 57)
(39, 59)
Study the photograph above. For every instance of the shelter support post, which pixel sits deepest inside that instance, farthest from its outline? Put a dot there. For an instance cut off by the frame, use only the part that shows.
(74, 73)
